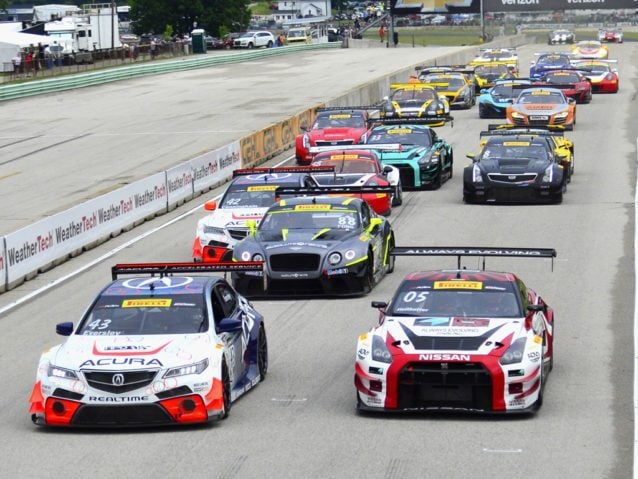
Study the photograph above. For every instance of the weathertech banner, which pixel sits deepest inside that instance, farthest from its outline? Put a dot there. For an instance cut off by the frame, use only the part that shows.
(3, 269)
(52, 238)
(215, 166)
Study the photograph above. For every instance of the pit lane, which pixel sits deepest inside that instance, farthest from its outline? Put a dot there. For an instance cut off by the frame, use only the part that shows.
(301, 422)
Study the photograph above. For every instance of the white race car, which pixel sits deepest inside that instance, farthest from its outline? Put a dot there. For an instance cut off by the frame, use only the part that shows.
(248, 196)
(154, 350)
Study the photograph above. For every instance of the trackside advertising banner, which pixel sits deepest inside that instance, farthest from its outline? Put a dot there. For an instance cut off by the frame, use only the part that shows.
(41, 243)
(405, 7)
(3, 269)
(215, 166)
(179, 183)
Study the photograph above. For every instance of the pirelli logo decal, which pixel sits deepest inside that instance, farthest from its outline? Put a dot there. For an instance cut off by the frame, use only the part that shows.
(262, 188)
(340, 116)
(474, 285)
(312, 207)
(516, 143)
(147, 303)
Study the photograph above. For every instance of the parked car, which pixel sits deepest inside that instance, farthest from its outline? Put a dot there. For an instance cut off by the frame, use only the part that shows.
(213, 43)
(229, 39)
(255, 40)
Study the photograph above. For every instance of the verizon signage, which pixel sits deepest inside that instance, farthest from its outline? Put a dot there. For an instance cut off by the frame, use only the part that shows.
(551, 5)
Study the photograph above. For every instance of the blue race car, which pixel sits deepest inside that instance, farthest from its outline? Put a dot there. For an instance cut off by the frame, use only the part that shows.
(494, 101)
(549, 61)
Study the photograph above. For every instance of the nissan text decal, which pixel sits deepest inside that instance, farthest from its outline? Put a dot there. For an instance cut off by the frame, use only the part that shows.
(157, 283)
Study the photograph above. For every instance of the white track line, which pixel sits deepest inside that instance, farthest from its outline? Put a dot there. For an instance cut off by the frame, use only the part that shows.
(635, 475)
(107, 255)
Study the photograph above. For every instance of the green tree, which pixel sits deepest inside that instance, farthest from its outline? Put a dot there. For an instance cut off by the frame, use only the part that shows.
(153, 16)
(4, 4)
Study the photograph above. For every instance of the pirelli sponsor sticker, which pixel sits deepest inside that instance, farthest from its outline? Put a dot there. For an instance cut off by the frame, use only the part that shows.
(399, 131)
(262, 188)
(340, 116)
(516, 143)
(540, 93)
(312, 207)
(147, 303)
(344, 157)
(475, 285)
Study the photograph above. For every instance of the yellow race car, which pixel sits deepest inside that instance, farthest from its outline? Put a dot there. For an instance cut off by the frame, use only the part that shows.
(590, 50)
(490, 55)
(458, 88)
(486, 75)
(415, 100)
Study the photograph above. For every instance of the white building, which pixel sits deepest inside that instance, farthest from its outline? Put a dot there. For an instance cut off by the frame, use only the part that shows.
(302, 9)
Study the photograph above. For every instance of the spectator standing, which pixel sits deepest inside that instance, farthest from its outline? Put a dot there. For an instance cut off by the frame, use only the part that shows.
(17, 63)
(28, 62)
(382, 33)
(153, 48)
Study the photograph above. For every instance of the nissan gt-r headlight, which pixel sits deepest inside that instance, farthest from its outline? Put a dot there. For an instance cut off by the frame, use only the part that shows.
(195, 368)
(549, 174)
(429, 158)
(380, 351)
(58, 372)
(477, 177)
(514, 353)
(334, 258)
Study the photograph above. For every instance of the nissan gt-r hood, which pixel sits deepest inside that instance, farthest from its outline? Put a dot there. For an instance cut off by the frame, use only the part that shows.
(336, 134)
(131, 352)
(453, 334)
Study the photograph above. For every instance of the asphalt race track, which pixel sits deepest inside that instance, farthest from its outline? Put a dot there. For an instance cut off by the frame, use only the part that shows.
(301, 421)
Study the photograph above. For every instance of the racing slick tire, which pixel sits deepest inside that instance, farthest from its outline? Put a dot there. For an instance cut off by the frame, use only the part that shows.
(558, 198)
(397, 197)
(391, 259)
(226, 387)
(438, 181)
(262, 353)
(482, 111)
(367, 282)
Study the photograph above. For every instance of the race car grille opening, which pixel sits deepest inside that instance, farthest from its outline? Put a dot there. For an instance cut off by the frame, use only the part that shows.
(512, 179)
(294, 262)
(238, 233)
(65, 394)
(406, 173)
(445, 385)
(138, 415)
(119, 382)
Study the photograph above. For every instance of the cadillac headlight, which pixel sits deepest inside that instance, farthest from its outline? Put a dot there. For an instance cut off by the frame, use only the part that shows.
(195, 368)
(380, 351)
(514, 353)
(334, 258)
(477, 177)
(58, 372)
(305, 141)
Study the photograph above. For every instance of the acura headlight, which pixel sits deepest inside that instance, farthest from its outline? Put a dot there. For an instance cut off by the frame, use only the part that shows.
(477, 177)
(514, 353)
(195, 368)
(549, 174)
(334, 258)
(380, 351)
(59, 372)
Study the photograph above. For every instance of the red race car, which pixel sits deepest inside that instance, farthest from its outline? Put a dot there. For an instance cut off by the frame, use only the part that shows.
(604, 78)
(361, 168)
(573, 83)
(332, 127)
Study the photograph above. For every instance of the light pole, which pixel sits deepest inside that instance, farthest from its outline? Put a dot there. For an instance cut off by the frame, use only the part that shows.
(482, 23)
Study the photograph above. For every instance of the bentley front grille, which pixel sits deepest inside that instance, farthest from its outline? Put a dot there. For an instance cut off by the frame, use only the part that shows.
(294, 262)
(119, 382)
(445, 385)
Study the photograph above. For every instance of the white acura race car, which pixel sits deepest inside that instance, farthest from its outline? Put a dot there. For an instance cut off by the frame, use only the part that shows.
(172, 346)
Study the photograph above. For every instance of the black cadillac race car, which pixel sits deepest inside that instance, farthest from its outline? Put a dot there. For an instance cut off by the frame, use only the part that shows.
(515, 167)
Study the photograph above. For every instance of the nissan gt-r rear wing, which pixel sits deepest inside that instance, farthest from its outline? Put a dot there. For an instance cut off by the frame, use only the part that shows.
(460, 251)
(282, 169)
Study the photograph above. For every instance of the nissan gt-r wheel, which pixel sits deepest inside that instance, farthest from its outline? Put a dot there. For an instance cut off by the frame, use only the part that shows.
(226, 387)
(262, 353)
(397, 197)
(436, 184)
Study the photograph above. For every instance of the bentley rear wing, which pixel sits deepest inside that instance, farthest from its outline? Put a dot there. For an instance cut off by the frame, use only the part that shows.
(481, 252)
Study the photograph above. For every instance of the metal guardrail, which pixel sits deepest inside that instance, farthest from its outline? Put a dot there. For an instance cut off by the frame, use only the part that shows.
(81, 80)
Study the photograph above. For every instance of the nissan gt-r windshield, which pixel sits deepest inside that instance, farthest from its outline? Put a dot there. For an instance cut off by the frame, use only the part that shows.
(145, 315)
(404, 136)
(339, 120)
(425, 303)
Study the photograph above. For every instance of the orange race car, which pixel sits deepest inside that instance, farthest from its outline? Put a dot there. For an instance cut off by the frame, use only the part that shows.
(542, 106)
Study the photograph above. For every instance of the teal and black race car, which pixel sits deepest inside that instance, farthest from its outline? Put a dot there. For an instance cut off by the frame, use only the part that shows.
(422, 157)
